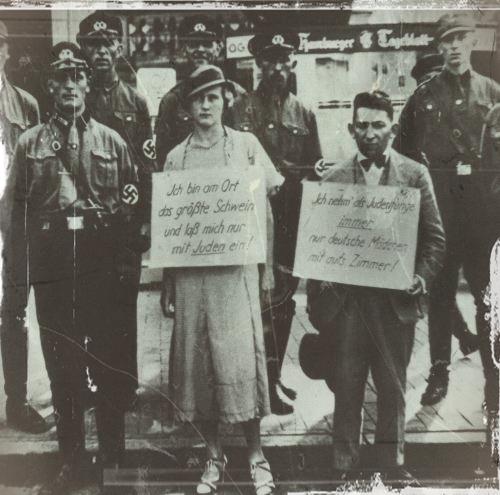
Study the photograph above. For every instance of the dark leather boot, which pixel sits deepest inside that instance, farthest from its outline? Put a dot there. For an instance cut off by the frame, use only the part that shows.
(468, 342)
(23, 417)
(289, 392)
(437, 386)
(278, 406)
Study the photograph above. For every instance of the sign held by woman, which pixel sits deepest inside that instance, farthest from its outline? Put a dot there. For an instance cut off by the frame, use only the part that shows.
(212, 217)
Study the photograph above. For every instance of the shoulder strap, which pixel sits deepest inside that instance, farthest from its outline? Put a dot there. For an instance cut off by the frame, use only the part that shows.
(461, 139)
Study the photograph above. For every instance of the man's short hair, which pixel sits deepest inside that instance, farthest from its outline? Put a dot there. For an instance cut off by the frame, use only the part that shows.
(377, 100)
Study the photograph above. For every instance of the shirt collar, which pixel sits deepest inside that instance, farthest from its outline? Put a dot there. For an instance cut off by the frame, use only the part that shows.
(108, 89)
(81, 121)
(466, 75)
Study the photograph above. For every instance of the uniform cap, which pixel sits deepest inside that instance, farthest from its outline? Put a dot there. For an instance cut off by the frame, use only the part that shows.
(454, 23)
(67, 56)
(429, 62)
(4, 34)
(99, 24)
(205, 77)
(281, 41)
(200, 26)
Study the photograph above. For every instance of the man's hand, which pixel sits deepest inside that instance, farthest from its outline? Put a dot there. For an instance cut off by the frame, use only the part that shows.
(417, 288)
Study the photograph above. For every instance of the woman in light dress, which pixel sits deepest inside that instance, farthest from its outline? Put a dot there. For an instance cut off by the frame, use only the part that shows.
(218, 362)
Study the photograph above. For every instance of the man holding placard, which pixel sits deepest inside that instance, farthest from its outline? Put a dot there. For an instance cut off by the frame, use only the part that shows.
(373, 320)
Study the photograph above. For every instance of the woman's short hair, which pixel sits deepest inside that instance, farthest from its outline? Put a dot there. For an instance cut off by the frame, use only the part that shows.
(377, 100)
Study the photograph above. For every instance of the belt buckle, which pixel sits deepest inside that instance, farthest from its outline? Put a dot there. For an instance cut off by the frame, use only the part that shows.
(464, 168)
(75, 223)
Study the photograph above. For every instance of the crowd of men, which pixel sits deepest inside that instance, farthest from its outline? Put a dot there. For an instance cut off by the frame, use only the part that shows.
(75, 212)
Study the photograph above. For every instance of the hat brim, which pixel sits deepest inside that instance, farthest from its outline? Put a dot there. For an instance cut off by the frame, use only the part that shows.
(273, 49)
(211, 84)
(196, 35)
(96, 35)
(461, 29)
(312, 357)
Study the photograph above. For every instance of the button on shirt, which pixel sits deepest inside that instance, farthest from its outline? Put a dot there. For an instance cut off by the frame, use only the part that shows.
(105, 168)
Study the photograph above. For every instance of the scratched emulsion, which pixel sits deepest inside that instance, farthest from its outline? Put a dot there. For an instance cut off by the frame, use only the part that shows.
(4, 161)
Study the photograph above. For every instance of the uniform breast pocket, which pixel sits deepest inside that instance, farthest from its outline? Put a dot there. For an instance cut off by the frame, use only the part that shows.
(45, 165)
(105, 169)
(294, 140)
(483, 107)
(128, 122)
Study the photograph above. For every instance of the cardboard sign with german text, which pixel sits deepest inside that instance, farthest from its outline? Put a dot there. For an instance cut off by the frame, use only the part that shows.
(212, 217)
(358, 235)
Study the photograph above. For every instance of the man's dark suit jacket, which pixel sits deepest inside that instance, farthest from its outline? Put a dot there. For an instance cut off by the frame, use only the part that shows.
(403, 172)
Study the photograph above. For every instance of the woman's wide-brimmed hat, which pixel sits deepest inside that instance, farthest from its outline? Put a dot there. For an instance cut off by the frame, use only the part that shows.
(203, 78)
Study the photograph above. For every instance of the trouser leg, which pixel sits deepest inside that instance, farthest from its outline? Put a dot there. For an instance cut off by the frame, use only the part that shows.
(62, 350)
(110, 423)
(13, 332)
(443, 309)
(279, 318)
(391, 352)
(351, 372)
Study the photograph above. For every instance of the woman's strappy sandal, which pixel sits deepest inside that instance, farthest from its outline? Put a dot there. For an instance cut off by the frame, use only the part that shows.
(262, 478)
(213, 474)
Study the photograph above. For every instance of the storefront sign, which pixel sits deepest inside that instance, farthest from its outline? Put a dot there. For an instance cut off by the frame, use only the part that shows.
(358, 235)
(361, 38)
(237, 46)
(208, 218)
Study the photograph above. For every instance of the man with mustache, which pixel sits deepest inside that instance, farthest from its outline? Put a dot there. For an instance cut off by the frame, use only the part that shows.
(201, 39)
(288, 132)
(441, 126)
(18, 112)
(121, 107)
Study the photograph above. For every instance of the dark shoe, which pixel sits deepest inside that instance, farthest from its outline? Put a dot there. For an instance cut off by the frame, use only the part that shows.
(277, 405)
(61, 484)
(23, 417)
(289, 392)
(437, 387)
(468, 342)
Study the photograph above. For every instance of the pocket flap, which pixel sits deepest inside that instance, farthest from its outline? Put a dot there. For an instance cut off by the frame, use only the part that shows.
(104, 154)
(296, 130)
(126, 117)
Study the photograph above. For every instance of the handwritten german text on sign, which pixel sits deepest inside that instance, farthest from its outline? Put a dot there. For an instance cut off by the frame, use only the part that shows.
(208, 217)
(358, 235)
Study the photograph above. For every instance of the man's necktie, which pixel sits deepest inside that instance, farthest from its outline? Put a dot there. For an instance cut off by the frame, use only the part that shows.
(379, 162)
(67, 190)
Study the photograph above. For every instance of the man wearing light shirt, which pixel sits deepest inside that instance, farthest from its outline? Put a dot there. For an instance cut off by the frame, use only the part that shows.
(373, 329)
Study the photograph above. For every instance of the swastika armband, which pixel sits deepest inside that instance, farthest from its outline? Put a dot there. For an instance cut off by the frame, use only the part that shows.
(130, 194)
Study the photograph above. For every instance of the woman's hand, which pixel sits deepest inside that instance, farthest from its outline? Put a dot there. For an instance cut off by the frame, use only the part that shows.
(167, 297)
(266, 286)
